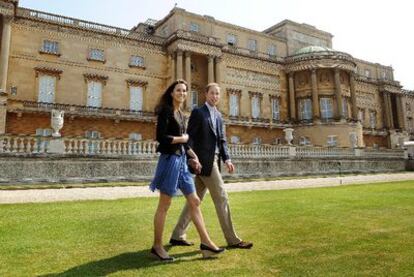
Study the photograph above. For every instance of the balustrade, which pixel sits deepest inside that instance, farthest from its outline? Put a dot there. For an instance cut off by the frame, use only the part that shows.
(11, 144)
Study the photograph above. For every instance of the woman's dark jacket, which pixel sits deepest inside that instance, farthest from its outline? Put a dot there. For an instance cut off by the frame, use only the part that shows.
(167, 128)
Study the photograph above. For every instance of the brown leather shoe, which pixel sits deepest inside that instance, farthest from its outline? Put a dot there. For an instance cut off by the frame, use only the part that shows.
(242, 245)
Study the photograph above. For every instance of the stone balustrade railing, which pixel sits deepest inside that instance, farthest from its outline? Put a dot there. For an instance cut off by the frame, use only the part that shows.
(119, 147)
(80, 146)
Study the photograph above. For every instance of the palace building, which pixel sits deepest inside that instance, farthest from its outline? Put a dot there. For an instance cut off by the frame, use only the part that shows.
(108, 80)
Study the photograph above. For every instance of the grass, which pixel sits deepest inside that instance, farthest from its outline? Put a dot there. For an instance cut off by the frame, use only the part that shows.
(363, 230)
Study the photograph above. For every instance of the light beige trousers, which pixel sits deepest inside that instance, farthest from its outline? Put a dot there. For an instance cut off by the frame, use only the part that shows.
(214, 183)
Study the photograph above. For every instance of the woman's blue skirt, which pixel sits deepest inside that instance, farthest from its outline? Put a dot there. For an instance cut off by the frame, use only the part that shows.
(172, 174)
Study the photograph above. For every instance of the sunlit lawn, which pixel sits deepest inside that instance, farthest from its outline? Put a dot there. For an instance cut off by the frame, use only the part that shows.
(365, 230)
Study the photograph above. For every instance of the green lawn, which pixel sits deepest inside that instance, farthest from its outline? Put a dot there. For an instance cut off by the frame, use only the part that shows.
(365, 230)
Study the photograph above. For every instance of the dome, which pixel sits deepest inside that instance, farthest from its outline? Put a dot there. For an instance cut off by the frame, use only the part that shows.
(313, 49)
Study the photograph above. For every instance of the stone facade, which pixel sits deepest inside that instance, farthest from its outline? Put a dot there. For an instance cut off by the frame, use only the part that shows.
(108, 80)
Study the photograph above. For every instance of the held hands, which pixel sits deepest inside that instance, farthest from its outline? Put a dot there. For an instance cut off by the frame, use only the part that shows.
(195, 165)
(230, 166)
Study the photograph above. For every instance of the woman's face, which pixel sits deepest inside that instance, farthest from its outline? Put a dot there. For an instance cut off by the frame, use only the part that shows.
(179, 94)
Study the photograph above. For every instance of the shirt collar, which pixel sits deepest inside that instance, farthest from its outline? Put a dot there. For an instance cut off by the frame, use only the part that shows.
(211, 108)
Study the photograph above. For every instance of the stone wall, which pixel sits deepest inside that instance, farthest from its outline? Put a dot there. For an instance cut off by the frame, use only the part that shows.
(76, 169)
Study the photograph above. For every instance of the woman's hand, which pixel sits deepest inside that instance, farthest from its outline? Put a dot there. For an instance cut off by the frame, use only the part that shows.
(184, 138)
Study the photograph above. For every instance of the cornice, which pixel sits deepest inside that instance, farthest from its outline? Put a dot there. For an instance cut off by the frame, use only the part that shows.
(320, 63)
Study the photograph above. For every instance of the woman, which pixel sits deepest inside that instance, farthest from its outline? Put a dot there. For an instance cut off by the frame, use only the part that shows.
(172, 170)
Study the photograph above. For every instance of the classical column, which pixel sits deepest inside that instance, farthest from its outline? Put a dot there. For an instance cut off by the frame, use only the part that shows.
(400, 112)
(292, 100)
(179, 71)
(5, 51)
(387, 110)
(173, 68)
(219, 71)
(315, 96)
(338, 94)
(210, 69)
(3, 113)
(219, 79)
(188, 77)
(390, 112)
(353, 96)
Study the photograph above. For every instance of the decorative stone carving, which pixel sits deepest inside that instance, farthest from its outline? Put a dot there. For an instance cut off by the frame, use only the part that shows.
(252, 79)
(288, 135)
(57, 122)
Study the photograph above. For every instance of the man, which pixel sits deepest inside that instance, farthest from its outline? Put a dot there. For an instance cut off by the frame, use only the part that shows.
(208, 140)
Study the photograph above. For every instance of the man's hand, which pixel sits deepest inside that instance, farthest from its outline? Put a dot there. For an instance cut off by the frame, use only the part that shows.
(230, 166)
(195, 165)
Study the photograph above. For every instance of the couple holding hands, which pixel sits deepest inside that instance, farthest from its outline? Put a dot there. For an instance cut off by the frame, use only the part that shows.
(198, 148)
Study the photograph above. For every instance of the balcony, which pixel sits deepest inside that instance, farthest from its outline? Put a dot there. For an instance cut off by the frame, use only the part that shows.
(81, 111)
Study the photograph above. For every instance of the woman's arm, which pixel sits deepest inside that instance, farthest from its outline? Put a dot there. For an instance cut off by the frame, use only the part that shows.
(162, 128)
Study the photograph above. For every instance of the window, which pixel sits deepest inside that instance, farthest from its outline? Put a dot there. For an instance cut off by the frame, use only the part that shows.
(361, 115)
(305, 109)
(234, 104)
(94, 94)
(165, 31)
(252, 45)
(257, 140)
(194, 99)
(372, 119)
(194, 27)
(367, 73)
(345, 113)
(47, 87)
(135, 136)
(255, 106)
(137, 61)
(41, 143)
(304, 141)
(92, 135)
(96, 55)
(234, 139)
(231, 39)
(271, 50)
(408, 107)
(384, 75)
(93, 143)
(50, 47)
(135, 98)
(275, 109)
(332, 141)
(44, 132)
(326, 108)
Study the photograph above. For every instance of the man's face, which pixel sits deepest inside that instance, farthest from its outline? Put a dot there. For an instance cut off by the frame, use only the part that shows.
(213, 95)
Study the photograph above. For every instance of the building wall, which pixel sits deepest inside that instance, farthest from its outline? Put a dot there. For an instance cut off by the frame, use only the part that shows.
(26, 124)
(74, 47)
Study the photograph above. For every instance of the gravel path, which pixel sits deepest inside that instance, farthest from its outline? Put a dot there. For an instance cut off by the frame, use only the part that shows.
(73, 194)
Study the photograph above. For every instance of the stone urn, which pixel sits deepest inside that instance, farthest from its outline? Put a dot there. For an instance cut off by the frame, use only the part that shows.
(288, 135)
(57, 122)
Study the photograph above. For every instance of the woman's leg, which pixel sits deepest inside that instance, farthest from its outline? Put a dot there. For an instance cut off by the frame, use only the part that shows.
(196, 216)
(159, 220)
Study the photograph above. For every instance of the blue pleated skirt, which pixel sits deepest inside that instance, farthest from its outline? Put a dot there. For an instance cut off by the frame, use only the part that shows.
(172, 174)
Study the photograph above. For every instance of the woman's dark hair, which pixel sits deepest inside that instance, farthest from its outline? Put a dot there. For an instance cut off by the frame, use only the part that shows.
(166, 100)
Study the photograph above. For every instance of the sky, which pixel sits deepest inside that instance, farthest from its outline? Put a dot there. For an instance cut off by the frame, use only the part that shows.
(374, 30)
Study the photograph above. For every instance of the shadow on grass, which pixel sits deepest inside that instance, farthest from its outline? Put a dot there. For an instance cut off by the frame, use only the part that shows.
(123, 262)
